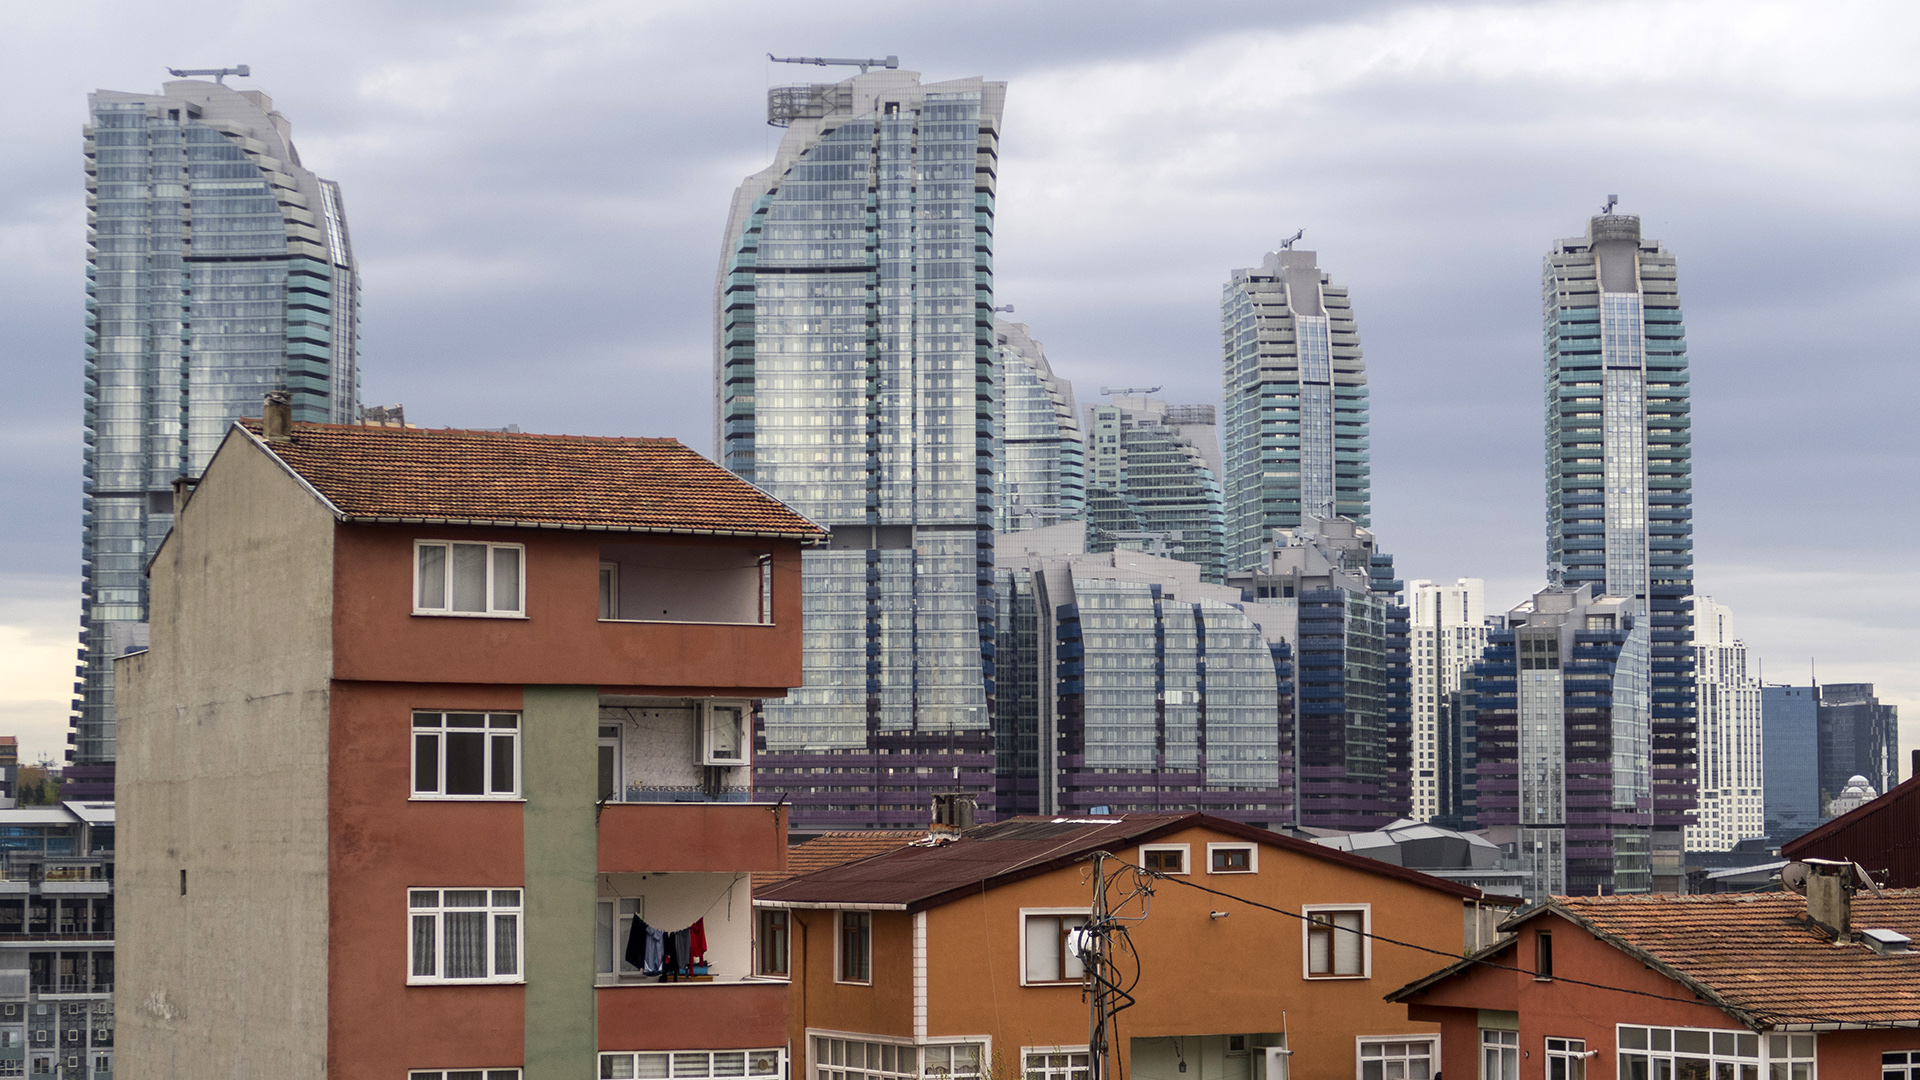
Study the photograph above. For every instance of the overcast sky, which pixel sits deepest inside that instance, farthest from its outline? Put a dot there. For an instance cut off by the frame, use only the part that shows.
(536, 194)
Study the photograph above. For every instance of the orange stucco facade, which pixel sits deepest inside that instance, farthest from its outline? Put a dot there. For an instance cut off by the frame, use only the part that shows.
(1200, 975)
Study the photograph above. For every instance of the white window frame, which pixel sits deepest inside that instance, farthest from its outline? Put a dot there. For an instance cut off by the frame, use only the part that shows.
(1503, 1047)
(710, 719)
(1567, 1052)
(494, 909)
(1432, 1039)
(493, 608)
(1306, 941)
(1047, 913)
(815, 1067)
(488, 731)
(464, 1074)
(677, 1064)
(839, 945)
(1028, 1053)
(1253, 857)
(1186, 858)
(609, 591)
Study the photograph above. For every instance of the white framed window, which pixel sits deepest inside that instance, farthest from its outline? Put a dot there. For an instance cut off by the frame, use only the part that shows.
(1233, 858)
(773, 943)
(463, 1074)
(1679, 1052)
(863, 1057)
(1398, 1057)
(1334, 941)
(464, 936)
(1056, 1062)
(609, 590)
(451, 578)
(853, 948)
(723, 726)
(691, 1064)
(14, 1067)
(953, 1060)
(1165, 858)
(1044, 956)
(1567, 1059)
(1500, 1055)
(466, 755)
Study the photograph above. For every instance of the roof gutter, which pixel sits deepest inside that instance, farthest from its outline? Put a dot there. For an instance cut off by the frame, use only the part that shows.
(825, 905)
(807, 539)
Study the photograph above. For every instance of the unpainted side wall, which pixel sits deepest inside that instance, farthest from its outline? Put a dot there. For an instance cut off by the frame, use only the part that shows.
(223, 779)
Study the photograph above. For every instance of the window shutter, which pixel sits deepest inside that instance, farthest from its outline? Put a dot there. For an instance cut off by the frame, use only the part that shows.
(1043, 949)
(1318, 945)
(1348, 945)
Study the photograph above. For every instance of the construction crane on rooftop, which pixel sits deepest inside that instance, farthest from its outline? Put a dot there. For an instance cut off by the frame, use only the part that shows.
(1128, 391)
(219, 74)
(835, 61)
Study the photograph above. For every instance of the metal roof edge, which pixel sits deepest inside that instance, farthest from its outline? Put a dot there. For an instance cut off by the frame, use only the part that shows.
(824, 905)
(492, 523)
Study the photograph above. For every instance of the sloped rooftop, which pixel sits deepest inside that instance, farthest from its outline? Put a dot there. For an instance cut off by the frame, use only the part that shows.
(518, 480)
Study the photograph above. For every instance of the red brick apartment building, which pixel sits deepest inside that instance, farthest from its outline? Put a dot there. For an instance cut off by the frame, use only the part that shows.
(1743, 986)
(437, 730)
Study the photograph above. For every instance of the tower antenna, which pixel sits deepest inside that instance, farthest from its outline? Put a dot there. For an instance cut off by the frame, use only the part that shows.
(835, 61)
(219, 74)
(1612, 201)
(1287, 244)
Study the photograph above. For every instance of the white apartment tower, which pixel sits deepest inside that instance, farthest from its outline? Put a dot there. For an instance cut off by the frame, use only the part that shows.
(1732, 806)
(1448, 626)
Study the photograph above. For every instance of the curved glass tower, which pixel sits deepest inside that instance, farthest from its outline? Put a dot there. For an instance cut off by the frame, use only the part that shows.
(854, 360)
(1295, 437)
(1619, 475)
(1041, 460)
(218, 269)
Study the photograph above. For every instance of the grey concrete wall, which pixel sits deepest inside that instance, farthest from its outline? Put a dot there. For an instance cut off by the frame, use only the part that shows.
(223, 775)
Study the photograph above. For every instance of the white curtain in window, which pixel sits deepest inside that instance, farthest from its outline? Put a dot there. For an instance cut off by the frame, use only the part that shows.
(1043, 949)
(466, 948)
(469, 577)
(506, 944)
(433, 576)
(423, 950)
(506, 579)
(1348, 945)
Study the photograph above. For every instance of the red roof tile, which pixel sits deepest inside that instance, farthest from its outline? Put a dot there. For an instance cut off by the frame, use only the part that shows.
(1753, 954)
(835, 848)
(520, 480)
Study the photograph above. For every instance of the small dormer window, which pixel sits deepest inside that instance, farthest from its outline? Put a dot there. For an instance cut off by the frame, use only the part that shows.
(451, 578)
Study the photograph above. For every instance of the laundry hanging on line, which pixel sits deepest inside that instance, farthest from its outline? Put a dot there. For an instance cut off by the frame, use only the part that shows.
(666, 952)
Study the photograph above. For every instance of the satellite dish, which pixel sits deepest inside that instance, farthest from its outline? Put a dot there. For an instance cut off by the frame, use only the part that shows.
(1794, 876)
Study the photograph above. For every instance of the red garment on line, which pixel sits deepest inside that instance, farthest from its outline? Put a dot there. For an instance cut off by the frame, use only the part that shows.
(698, 943)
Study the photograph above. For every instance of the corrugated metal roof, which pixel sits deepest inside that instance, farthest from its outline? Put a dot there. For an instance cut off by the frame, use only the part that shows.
(1883, 836)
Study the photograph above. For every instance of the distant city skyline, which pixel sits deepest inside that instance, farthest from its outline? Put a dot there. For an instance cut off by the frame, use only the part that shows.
(1432, 146)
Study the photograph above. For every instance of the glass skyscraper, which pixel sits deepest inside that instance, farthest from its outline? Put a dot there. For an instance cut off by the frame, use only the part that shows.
(1040, 458)
(854, 367)
(1295, 436)
(1619, 476)
(218, 269)
(1153, 481)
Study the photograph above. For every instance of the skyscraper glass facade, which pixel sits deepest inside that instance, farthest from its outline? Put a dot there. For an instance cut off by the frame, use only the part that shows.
(1153, 483)
(218, 269)
(1619, 475)
(854, 374)
(1790, 729)
(1041, 461)
(1297, 413)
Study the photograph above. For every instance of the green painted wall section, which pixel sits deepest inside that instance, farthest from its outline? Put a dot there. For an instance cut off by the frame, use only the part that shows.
(559, 775)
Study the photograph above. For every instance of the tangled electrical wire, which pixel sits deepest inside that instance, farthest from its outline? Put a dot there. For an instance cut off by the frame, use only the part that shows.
(1122, 895)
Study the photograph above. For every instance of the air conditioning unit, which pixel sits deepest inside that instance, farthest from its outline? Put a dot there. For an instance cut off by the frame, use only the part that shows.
(723, 733)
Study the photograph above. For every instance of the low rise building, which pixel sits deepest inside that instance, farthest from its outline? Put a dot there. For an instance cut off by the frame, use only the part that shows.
(57, 941)
(1741, 986)
(1240, 952)
(438, 764)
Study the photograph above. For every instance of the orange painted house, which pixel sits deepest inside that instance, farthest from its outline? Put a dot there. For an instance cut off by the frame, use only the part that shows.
(1741, 986)
(433, 724)
(953, 957)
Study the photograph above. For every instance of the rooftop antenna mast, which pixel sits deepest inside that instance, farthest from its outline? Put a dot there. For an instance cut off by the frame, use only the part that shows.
(219, 74)
(1612, 201)
(1287, 244)
(833, 61)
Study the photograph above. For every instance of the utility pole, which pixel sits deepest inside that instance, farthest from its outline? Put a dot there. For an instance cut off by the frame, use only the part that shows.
(1093, 944)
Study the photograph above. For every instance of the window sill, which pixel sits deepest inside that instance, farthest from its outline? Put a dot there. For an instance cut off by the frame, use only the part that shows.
(684, 622)
(1224, 873)
(470, 614)
(603, 981)
(1337, 978)
(466, 982)
(467, 798)
(1078, 984)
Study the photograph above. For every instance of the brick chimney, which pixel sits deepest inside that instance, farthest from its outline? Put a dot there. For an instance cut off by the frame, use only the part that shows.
(952, 814)
(1830, 888)
(182, 491)
(276, 418)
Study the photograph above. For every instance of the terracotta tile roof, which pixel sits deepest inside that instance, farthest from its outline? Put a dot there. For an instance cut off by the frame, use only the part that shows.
(531, 481)
(915, 877)
(835, 848)
(1752, 954)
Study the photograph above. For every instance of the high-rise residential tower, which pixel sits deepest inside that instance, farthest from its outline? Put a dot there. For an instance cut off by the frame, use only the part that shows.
(1619, 479)
(1040, 458)
(1295, 433)
(854, 357)
(1153, 481)
(1727, 703)
(1448, 630)
(218, 269)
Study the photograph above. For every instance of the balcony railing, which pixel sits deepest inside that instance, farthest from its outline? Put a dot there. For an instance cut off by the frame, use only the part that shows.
(686, 794)
(74, 869)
